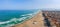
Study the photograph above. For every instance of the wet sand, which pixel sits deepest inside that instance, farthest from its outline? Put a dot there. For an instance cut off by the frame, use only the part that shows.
(36, 21)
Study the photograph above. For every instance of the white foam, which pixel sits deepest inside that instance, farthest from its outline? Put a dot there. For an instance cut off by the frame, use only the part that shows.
(14, 19)
(8, 21)
(29, 14)
(22, 15)
(19, 19)
(4, 22)
(22, 18)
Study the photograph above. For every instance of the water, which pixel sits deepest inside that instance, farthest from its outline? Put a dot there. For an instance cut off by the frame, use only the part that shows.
(12, 17)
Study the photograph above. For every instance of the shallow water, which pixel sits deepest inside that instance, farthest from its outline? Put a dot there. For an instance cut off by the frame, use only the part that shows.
(12, 17)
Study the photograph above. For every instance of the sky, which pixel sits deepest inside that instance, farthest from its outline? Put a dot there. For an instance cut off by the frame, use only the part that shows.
(29, 4)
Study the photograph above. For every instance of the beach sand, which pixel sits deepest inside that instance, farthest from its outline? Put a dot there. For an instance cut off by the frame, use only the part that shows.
(36, 21)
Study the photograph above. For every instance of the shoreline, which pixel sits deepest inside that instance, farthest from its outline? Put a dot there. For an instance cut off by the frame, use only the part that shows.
(34, 18)
(27, 19)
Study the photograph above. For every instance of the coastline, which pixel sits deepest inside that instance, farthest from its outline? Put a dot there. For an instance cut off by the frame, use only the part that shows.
(26, 19)
(15, 21)
(35, 17)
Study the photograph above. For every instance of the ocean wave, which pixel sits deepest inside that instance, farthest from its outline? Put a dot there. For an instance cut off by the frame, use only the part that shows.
(20, 19)
(27, 15)
(16, 20)
(8, 21)
(12, 21)
(31, 14)
(4, 22)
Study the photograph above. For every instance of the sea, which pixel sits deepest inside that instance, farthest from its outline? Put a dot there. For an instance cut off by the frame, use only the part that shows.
(13, 17)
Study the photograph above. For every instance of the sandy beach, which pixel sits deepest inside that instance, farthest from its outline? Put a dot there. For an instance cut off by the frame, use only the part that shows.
(36, 21)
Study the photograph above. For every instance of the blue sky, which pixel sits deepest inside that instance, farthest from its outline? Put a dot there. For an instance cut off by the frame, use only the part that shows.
(29, 4)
